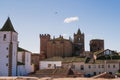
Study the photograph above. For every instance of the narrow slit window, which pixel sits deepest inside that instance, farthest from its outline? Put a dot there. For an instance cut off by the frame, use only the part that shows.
(4, 37)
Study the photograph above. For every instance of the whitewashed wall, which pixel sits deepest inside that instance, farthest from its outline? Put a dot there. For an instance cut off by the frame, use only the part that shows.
(44, 64)
(27, 67)
(3, 59)
(19, 58)
(28, 62)
(4, 52)
(96, 68)
(21, 70)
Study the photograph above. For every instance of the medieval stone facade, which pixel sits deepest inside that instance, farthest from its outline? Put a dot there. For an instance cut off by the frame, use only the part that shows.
(78, 43)
(60, 46)
(96, 45)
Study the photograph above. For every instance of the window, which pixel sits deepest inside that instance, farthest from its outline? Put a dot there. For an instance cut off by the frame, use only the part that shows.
(113, 66)
(89, 66)
(49, 65)
(6, 64)
(110, 72)
(94, 73)
(7, 48)
(99, 72)
(108, 66)
(102, 66)
(54, 65)
(82, 67)
(7, 56)
(4, 37)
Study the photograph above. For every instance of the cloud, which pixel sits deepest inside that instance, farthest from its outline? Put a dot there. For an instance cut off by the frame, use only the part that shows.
(71, 19)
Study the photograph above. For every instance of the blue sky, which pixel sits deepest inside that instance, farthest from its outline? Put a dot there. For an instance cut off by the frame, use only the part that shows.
(96, 18)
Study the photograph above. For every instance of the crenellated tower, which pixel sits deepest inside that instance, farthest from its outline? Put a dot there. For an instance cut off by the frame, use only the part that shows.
(96, 45)
(44, 38)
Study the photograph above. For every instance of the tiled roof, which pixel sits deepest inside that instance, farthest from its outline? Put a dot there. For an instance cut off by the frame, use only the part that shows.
(8, 26)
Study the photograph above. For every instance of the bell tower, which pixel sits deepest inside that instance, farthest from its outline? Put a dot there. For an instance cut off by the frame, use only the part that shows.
(8, 49)
(78, 43)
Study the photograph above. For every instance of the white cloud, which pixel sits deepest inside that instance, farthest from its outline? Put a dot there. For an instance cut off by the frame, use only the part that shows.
(71, 19)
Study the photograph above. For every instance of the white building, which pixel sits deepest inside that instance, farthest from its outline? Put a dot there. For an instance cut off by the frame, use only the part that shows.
(90, 69)
(107, 61)
(24, 62)
(8, 49)
(50, 64)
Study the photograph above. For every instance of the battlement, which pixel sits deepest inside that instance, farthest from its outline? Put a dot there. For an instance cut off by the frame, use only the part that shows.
(44, 35)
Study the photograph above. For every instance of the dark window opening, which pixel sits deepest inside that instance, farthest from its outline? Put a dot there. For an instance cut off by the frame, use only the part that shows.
(4, 37)
(110, 72)
(113, 66)
(6, 64)
(99, 72)
(108, 66)
(7, 48)
(102, 66)
(94, 73)
(82, 67)
(49, 65)
(89, 66)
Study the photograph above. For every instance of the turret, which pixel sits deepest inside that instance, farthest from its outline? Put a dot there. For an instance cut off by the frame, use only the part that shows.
(44, 38)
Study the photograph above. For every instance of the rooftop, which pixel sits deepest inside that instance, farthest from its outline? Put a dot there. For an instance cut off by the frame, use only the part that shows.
(8, 26)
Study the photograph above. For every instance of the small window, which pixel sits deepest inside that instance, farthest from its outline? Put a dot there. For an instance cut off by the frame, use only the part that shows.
(82, 67)
(102, 66)
(113, 66)
(7, 56)
(6, 64)
(49, 65)
(94, 73)
(54, 65)
(89, 66)
(110, 72)
(7, 48)
(4, 37)
(108, 66)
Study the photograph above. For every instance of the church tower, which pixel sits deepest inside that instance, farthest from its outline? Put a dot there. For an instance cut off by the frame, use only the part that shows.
(78, 43)
(8, 49)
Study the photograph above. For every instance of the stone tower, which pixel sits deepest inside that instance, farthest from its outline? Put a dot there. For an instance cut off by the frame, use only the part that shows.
(96, 45)
(8, 49)
(78, 43)
(44, 38)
